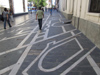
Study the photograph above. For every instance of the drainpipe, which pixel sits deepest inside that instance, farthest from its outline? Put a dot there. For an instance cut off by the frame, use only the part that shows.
(79, 15)
(73, 12)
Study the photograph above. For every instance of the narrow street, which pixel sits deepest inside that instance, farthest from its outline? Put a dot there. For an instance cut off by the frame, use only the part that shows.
(59, 49)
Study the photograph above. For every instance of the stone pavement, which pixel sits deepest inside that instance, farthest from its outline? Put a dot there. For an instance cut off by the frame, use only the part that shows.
(18, 20)
(59, 49)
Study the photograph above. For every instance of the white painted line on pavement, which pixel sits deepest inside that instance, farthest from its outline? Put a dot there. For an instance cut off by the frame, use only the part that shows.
(60, 20)
(64, 30)
(21, 24)
(21, 59)
(61, 64)
(11, 37)
(46, 34)
(27, 37)
(60, 16)
(47, 30)
(23, 56)
(2, 30)
(77, 62)
(19, 32)
(38, 42)
(11, 50)
(6, 69)
(33, 62)
(93, 64)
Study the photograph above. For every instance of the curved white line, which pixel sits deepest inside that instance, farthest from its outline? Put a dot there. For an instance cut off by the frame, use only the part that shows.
(34, 61)
(61, 64)
(25, 71)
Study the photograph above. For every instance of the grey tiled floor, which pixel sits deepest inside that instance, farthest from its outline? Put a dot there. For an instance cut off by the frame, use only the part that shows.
(59, 49)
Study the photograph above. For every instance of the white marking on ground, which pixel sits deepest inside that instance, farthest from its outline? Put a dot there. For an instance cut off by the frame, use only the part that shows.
(27, 37)
(12, 37)
(11, 50)
(77, 62)
(21, 59)
(33, 62)
(64, 30)
(47, 30)
(19, 32)
(6, 69)
(61, 64)
(93, 64)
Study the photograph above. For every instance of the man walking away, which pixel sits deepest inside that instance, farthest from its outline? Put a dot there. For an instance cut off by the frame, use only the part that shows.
(6, 18)
(50, 11)
(39, 15)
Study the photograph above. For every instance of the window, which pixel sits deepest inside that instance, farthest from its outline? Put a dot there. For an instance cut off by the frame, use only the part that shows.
(94, 6)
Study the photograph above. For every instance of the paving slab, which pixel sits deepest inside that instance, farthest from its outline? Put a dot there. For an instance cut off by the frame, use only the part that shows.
(59, 49)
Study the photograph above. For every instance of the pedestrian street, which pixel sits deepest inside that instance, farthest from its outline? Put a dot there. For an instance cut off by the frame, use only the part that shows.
(58, 49)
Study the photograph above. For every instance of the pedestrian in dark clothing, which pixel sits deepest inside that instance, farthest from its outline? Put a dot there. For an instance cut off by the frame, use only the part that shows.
(40, 16)
(50, 11)
(6, 18)
(42, 9)
(11, 15)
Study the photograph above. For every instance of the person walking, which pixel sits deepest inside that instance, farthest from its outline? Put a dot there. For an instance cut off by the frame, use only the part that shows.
(50, 11)
(6, 18)
(11, 15)
(39, 16)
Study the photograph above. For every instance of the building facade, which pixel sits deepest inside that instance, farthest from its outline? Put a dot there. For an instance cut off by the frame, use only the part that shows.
(49, 5)
(17, 6)
(85, 16)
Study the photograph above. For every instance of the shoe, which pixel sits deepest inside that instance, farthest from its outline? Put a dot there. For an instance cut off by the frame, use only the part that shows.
(4, 28)
(10, 26)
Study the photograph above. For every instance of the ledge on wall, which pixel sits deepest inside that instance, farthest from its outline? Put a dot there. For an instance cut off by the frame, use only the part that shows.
(68, 16)
(19, 14)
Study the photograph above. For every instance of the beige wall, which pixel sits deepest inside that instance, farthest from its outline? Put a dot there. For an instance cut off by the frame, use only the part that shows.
(80, 9)
(88, 23)
(69, 6)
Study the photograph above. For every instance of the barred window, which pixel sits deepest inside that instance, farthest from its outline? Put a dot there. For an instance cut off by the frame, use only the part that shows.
(94, 6)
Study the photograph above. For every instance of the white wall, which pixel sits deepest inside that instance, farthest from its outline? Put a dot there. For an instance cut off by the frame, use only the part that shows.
(26, 5)
(69, 6)
(81, 8)
(18, 6)
(3, 4)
